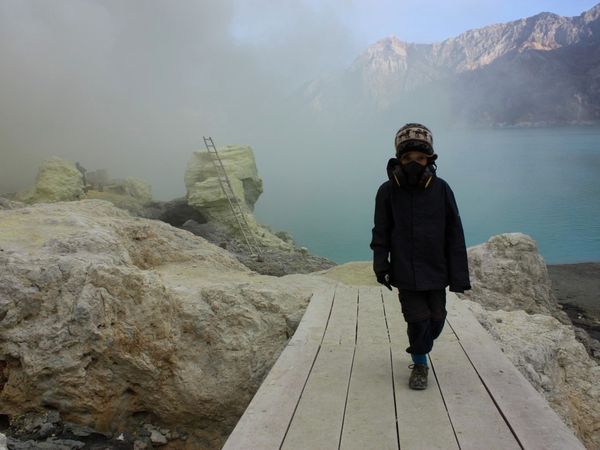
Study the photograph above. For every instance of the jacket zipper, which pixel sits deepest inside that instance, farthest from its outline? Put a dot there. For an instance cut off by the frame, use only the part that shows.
(412, 239)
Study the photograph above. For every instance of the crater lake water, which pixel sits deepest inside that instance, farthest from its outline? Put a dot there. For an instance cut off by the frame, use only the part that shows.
(541, 182)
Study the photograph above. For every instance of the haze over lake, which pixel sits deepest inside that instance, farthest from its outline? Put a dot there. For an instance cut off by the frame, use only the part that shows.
(542, 182)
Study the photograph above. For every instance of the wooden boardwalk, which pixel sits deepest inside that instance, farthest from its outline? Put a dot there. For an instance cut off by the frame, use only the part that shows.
(342, 383)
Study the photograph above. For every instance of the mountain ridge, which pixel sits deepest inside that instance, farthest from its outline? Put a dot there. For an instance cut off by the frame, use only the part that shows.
(387, 71)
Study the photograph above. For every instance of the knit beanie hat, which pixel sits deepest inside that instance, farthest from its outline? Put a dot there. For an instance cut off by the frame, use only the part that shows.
(414, 137)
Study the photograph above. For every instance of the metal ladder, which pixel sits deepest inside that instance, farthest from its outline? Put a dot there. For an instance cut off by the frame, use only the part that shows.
(234, 202)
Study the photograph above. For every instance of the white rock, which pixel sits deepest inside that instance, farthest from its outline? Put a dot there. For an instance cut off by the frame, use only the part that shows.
(557, 365)
(156, 437)
(138, 189)
(240, 167)
(103, 315)
(205, 194)
(57, 180)
(507, 272)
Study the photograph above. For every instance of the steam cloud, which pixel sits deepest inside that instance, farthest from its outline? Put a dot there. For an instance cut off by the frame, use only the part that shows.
(133, 86)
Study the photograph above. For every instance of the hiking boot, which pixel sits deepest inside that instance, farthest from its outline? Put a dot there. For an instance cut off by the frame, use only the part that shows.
(418, 376)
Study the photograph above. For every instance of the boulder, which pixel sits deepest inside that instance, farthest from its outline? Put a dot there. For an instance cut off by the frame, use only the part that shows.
(135, 188)
(512, 297)
(138, 189)
(549, 355)
(57, 180)
(240, 167)
(205, 194)
(507, 272)
(131, 194)
(113, 320)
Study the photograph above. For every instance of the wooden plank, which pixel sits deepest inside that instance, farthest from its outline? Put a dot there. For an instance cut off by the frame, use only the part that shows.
(475, 419)
(370, 419)
(317, 423)
(423, 422)
(266, 419)
(395, 322)
(534, 422)
(341, 329)
(371, 320)
(314, 320)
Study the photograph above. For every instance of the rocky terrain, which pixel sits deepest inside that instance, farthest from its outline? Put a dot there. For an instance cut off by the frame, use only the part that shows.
(540, 70)
(577, 289)
(513, 298)
(124, 331)
(515, 256)
(277, 251)
(204, 211)
(118, 323)
(128, 332)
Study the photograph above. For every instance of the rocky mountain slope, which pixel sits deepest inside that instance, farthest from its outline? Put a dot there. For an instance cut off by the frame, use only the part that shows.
(543, 69)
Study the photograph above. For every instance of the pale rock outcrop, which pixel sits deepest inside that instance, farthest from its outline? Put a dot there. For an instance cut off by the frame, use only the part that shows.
(131, 194)
(507, 272)
(201, 181)
(548, 354)
(204, 192)
(112, 320)
(133, 187)
(512, 298)
(57, 180)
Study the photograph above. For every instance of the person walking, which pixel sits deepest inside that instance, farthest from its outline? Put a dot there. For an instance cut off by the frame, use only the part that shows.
(418, 242)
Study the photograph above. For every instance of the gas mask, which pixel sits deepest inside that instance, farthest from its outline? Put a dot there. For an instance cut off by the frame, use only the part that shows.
(414, 174)
(413, 171)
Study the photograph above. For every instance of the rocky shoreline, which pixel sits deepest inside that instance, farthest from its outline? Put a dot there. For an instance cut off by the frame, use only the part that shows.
(577, 289)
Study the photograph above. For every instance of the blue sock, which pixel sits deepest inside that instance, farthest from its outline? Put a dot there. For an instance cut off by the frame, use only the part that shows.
(419, 358)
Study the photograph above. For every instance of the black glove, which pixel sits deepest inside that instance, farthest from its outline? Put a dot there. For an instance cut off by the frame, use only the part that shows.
(459, 289)
(384, 278)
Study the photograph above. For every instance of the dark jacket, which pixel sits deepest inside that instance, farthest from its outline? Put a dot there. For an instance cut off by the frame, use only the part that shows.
(421, 232)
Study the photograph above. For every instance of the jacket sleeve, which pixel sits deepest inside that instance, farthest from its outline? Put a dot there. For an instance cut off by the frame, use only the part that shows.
(456, 251)
(380, 243)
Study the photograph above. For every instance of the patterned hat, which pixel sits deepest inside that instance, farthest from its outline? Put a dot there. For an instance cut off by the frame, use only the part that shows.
(414, 137)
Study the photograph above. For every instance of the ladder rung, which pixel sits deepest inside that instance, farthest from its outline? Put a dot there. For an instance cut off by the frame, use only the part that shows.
(234, 202)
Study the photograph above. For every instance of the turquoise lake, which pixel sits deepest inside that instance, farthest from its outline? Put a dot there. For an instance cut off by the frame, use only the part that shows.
(541, 182)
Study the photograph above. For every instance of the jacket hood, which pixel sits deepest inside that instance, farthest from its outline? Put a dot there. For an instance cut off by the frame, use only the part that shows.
(392, 163)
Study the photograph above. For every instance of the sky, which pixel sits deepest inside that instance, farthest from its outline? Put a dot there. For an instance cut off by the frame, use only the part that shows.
(133, 85)
(420, 21)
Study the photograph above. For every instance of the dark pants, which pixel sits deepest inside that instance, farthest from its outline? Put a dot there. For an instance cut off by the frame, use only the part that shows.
(425, 314)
